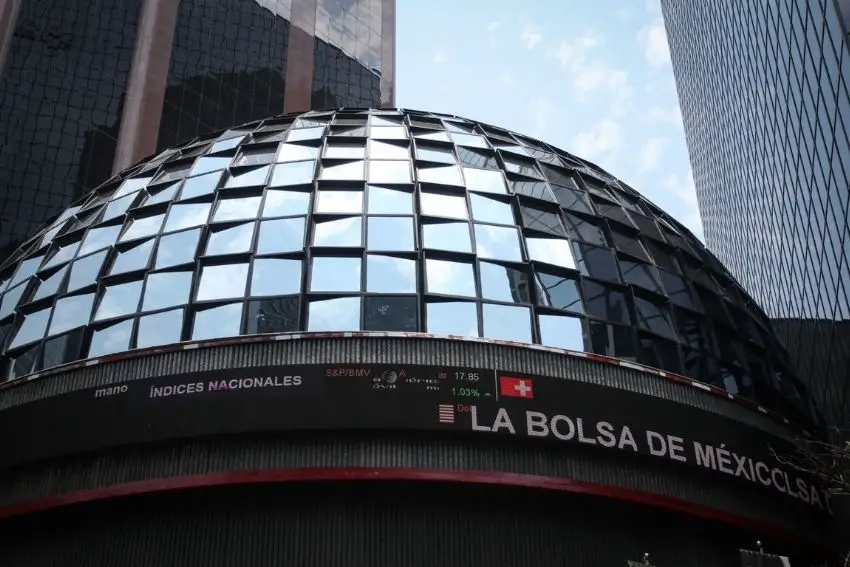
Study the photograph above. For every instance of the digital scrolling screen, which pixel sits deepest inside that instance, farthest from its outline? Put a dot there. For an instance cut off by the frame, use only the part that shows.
(475, 401)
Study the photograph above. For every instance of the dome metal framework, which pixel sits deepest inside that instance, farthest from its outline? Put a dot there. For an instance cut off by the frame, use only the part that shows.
(383, 220)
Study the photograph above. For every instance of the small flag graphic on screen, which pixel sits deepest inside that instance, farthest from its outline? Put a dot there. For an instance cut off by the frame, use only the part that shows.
(516, 387)
(446, 413)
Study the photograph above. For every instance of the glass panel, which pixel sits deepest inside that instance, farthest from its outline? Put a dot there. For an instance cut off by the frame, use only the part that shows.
(543, 221)
(118, 300)
(98, 238)
(598, 262)
(118, 207)
(485, 180)
(435, 154)
(383, 150)
(142, 227)
(653, 318)
(497, 242)
(384, 313)
(226, 144)
(450, 206)
(452, 236)
(166, 290)
(285, 203)
(60, 350)
(389, 172)
(305, 134)
(387, 274)
(458, 318)
(255, 157)
(390, 233)
(470, 140)
(32, 329)
(551, 251)
(294, 173)
(63, 254)
(476, 158)
(485, 209)
(442, 175)
(280, 236)
(201, 185)
(450, 278)
(160, 329)
(71, 312)
(273, 315)
(209, 163)
(295, 152)
(339, 202)
(558, 292)
(606, 303)
(561, 332)
(342, 314)
(502, 283)
(640, 274)
(112, 339)
(340, 232)
(136, 258)
(335, 274)
(131, 186)
(25, 270)
(177, 248)
(223, 321)
(51, 285)
(352, 171)
(10, 300)
(389, 201)
(248, 178)
(237, 209)
(272, 276)
(233, 240)
(345, 151)
(222, 282)
(85, 271)
(507, 322)
(581, 229)
(388, 132)
(187, 216)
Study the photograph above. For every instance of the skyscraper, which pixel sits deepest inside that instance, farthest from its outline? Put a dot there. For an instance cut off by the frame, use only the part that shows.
(766, 109)
(88, 87)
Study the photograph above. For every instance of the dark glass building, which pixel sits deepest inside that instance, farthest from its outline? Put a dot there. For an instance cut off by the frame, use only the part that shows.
(89, 87)
(763, 88)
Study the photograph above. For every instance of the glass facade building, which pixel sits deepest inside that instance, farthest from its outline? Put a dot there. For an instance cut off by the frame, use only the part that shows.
(88, 88)
(383, 220)
(763, 88)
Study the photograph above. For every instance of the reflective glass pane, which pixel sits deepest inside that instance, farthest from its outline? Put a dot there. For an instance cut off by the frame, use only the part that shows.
(279, 315)
(433, 136)
(160, 329)
(51, 285)
(294, 173)
(255, 157)
(502, 283)
(98, 238)
(177, 248)
(222, 282)
(285, 203)
(25, 270)
(71, 312)
(136, 258)
(222, 321)
(469, 140)
(458, 318)
(387, 274)
(385, 201)
(559, 292)
(295, 152)
(497, 242)
(383, 150)
(118, 207)
(272, 276)
(10, 300)
(206, 164)
(60, 350)
(339, 202)
(85, 271)
(449, 278)
(387, 313)
(32, 329)
(342, 314)
(237, 209)
(187, 216)
(598, 262)
(335, 274)
(281, 235)
(142, 227)
(201, 185)
(542, 220)
(345, 151)
(551, 251)
(507, 322)
(449, 175)
(248, 178)
(234, 240)
(438, 155)
(117, 300)
(166, 290)
(226, 144)
(485, 209)
(340, 232)
(389, 172)
(63, 254)
(453, 236)
(449, 206)
(388, 132)
(131, 186)
(561, 332)
(390, 233)
(485, 180)
(351, 171)
(112, 339)
(305, 134)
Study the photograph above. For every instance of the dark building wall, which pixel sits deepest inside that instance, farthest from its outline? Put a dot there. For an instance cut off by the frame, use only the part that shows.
(766, 108)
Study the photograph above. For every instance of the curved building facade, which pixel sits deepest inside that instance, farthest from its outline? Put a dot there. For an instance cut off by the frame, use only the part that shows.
(399, 296)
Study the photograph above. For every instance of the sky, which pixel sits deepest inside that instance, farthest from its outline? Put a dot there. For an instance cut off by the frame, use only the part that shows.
(592, 77)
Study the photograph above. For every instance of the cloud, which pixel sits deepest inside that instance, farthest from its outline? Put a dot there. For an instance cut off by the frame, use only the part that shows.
(603, 139)
(531, 34)
(541, 111)
(682, 188)
(654, 39)
(670, 115)
(440, 57)
(651, 154)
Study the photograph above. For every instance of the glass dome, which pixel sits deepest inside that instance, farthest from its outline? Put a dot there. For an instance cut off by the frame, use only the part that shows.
(390, 220)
